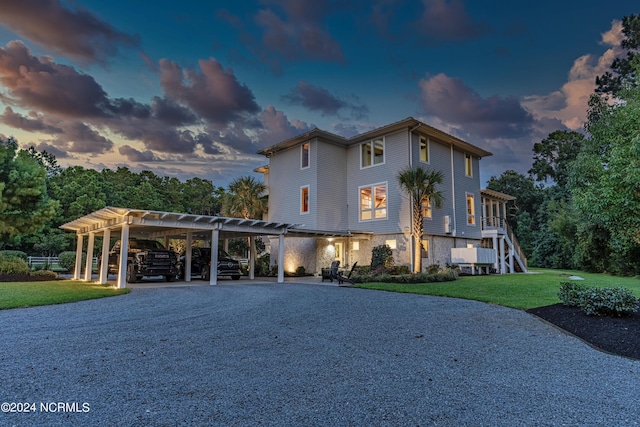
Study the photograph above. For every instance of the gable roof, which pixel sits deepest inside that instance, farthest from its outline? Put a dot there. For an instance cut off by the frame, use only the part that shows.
(410, 123)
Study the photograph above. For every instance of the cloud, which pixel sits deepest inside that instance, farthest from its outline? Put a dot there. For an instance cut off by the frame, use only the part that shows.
(319, 99)
(493, 117)
(79, 137)
(52, 149)
(77, 34)
(212, 93)
(277, 127)
(134, 155)
(34, 124)
(569, 103)
(447, 20)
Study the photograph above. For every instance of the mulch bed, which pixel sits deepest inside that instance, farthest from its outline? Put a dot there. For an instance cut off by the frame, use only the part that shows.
(616, 335)
(22, 278)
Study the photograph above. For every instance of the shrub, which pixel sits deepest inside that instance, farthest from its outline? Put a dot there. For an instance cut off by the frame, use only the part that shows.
(44, 274)
(433, 268)
(13, 265)
(571, 293)
(382, 256)
(14, 254)
(608, 302)
(300, 271)
(67, 260)
(403, 269)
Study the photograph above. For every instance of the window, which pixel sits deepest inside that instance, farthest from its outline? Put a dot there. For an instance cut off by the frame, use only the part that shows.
(471, 216)
(424, 252)
(372, 153)
(391, 243)
(373, 202)
(426, 208)
(468, 165)
(304, 155)
(304, 199)
(424, 149)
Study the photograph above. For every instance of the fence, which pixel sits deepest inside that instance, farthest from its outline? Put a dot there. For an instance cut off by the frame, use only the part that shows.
(50, 263)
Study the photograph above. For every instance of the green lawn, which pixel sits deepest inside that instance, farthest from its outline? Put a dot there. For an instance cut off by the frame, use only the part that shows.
(29, 294)
(522, 291)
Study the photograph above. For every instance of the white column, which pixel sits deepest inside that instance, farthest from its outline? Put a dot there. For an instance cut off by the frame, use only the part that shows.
(281, 259)
(511, 257)
(252, 257)
(187, 257)
(495, 249)
(78, 269)
(215, 237)
(89, 262)
(124, 255)
(503, 265)
(104, 261)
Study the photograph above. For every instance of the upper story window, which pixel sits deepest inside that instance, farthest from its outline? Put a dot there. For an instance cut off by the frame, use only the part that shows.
(304, 155)
(304, 199)
(424, 149)
(426, 208)
(372, 153)
(471, 210)
(373, 202)
(468, 164)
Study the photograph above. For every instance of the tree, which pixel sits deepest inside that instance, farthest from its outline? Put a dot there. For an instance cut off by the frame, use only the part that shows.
(245, 199)
(421, 185)
(623, 74)
(605, 177)
(24, 204)
(553, 156)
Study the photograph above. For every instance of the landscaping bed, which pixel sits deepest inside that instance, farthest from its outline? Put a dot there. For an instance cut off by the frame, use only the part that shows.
(24, 277)
(616, 335)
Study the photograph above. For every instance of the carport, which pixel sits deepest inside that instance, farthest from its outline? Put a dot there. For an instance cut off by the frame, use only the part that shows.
(125, 223)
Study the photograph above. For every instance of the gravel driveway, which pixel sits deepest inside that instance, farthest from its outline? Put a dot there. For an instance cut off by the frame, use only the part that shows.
(302, 355)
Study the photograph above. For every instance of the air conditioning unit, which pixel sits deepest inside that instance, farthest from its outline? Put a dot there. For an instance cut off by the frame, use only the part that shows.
(447, 224)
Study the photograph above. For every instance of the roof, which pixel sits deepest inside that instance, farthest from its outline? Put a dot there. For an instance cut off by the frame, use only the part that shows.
(155, 224)
(497, 195)
(408, 123)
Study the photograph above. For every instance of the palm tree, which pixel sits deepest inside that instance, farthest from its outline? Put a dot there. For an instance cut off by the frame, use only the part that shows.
(420, 184)
(245, 199)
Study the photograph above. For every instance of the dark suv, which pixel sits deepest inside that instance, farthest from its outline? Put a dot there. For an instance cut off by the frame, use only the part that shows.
(201, 262)
(145, 258)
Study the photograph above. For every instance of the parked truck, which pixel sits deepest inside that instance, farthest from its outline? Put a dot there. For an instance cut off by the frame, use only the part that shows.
(145, 258)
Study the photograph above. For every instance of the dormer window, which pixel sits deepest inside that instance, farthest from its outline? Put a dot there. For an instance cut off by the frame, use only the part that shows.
(372, 153)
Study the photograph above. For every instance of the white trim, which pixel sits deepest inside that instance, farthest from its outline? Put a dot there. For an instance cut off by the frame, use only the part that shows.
(466, 209)
(308, 200)
(308, 155)
(428, 141)
(384, 154)
(373, 209)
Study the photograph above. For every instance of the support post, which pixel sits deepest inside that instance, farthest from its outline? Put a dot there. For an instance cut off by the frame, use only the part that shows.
(78, 267)
(503, 265)
(124, 255)
(187, 257)
(104, 260)
(252, 257)
(213, 276)
(281, 258)
(88, 266)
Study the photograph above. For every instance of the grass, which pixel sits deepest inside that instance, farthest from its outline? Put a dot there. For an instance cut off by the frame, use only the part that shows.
(521, 291)
(30, 294)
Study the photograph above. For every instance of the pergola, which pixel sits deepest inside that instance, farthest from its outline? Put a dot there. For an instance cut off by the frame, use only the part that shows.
(126, 223)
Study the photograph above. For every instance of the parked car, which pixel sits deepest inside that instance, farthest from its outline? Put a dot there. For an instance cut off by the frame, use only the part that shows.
(201, 262)
(145, 258)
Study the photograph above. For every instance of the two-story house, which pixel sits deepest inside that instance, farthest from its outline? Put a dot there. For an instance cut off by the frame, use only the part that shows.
(345, 196)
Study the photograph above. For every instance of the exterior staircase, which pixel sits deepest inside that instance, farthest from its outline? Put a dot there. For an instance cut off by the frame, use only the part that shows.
(498, 235)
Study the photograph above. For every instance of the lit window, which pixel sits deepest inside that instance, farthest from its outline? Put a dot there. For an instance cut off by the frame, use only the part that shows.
(424, 149)
(391, 243)
(471, 217)
(372, 153)
(304, 156)
(426, 208)
(355, 246)
(468, 165)
(304, 199)
(373, 202)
